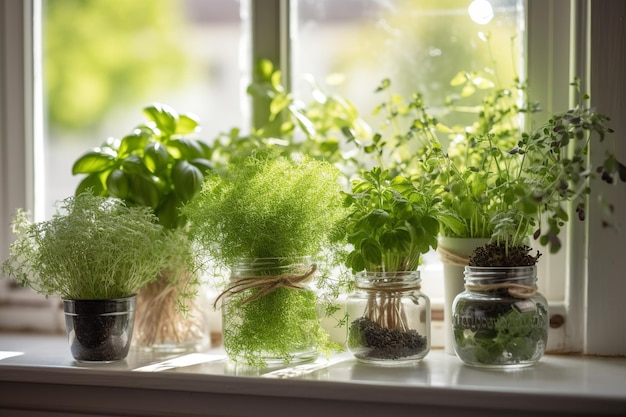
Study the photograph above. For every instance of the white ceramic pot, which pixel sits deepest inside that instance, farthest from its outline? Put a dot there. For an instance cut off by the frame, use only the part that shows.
(454, 253)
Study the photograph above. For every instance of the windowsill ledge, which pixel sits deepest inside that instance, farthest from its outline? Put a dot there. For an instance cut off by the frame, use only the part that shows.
(45, 381)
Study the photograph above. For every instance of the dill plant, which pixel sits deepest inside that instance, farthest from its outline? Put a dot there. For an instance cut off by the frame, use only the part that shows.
(92, 248)
(268, 211)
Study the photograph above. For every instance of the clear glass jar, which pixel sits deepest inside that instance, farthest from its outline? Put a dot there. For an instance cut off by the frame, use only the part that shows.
(100, 330)
(500, 320)
(162, 327)
(269, 312)
(389, 318)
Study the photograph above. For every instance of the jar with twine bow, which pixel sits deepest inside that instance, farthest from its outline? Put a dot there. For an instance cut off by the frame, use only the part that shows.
(269, 312)
(500, 320)
(389, 318)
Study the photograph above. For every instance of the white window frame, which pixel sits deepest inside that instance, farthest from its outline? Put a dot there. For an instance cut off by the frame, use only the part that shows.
(564, 38)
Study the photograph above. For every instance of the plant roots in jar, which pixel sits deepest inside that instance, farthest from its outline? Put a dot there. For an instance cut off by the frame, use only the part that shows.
(370, 340)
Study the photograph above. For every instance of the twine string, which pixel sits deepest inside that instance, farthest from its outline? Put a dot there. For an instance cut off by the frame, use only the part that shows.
(452, 258)
(514, 290)
(266, 284)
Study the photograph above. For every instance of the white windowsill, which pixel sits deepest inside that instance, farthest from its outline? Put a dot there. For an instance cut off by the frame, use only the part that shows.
(45, 381)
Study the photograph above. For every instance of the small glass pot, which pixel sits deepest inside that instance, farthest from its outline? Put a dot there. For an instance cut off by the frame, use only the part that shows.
(389, 318)
(100, 330)
(500, 320)
(269, 312)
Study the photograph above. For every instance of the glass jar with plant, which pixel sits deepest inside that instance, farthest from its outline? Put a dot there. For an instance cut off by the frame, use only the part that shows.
(270, 221)
(96, 253)
(390, 225)
(503, 184)
(159, 165)
(538, 178)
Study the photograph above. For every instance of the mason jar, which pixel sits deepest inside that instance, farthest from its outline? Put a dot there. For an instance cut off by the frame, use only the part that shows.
(500, 320)
(269, 312)
(388, 318)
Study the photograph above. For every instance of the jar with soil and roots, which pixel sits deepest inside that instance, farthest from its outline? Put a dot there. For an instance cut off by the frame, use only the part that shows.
(389, 318)
(166, 322)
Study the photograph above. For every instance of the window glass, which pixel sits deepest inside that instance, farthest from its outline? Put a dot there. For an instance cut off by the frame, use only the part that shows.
(350, 46)
(104, 60)
(420, 45)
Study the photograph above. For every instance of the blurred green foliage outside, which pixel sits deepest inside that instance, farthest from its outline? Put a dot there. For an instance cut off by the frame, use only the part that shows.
(99, 53)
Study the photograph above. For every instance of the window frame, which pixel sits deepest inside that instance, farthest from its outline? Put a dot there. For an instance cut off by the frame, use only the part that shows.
(564, 38)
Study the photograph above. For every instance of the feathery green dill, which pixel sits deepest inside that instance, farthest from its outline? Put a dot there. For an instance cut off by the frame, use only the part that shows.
(92, 248)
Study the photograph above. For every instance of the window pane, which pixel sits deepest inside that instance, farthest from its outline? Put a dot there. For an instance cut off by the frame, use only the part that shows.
(350, 46)
(419, 44)
(104, 60)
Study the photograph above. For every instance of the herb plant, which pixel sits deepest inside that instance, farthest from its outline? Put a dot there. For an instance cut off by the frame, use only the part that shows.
(268, 207)
(505, 184)
(326, 126)
(158, 165)
(390, 224)
(93, 248)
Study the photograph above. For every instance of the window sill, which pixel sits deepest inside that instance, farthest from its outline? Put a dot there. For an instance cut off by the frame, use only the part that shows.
(45, 381)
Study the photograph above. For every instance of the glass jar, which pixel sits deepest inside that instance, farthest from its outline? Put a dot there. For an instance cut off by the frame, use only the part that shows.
(389, 318)
(100, 330)
(500, 320)
(269, 312)
(161, 326)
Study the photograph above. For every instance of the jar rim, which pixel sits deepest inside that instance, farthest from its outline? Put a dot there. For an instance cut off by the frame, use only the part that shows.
(388, 279)
(497, 274)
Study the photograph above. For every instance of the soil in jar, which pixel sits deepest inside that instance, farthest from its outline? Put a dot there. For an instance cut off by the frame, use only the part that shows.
(374, 341)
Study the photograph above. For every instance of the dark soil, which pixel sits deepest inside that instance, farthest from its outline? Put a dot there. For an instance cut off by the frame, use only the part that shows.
(100, 338)
(384, 343)
(494, 254)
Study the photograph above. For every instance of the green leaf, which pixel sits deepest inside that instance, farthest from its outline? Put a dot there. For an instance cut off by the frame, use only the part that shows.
(204, 165)
(187, 123)
(304, 122)
(278, 104)
(264, 68)
(168, 212)
(483, 83)
(467, 210)
(377, 218)
(91, 183)
(94, 161)
(163, 116)
(134, 165)
(371, 252)
(453, 223)
(117, 184)
(396, 241)
(187, 180)
(135, 142)
(155, 157)
(459, 79)
(467, 90)
(185, 148)
(143, 190)
(431, 225)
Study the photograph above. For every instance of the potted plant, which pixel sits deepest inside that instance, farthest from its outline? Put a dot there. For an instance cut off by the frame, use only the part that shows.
(269, 221)
(501, 320)
(502, 185)
(390, 224)
(160, 165)
(95, 253)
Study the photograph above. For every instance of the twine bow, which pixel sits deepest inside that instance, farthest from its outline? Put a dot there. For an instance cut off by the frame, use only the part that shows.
(266, 284)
